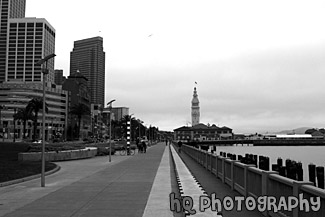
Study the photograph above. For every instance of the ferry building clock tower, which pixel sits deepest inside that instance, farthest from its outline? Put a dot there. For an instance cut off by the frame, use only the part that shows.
(195, 109)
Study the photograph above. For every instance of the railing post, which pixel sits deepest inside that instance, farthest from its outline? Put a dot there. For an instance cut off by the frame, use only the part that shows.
(295, 192)
(265, 185)
(223, 169)
(217, 165)
(206, 160)
(232, 173)
(246, 177)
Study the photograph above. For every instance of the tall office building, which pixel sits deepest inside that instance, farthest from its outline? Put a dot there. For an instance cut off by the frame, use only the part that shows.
(8, 9)
(30, 39)
(58, 77)
(88, 57)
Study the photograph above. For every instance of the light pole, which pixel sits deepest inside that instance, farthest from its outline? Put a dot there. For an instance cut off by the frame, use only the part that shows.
(110, 104)
(2, 107)
(14, 119)
(45, 71)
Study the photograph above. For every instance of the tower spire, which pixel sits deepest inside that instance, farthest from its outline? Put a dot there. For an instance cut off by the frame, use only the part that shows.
(195, 108)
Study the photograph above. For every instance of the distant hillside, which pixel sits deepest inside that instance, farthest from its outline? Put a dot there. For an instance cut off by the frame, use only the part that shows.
(300, 130)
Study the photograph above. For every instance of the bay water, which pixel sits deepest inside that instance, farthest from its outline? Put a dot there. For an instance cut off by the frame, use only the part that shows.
(304, 154)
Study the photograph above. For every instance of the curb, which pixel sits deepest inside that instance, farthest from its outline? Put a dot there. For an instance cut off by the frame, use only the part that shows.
(28, 178)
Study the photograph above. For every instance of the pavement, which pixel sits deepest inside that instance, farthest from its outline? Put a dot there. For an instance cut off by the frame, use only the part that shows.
(213, 185)
(94, 187)
(137, 186)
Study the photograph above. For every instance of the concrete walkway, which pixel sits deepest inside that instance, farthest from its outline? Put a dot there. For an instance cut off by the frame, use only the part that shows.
(92, 187)
(137, 186)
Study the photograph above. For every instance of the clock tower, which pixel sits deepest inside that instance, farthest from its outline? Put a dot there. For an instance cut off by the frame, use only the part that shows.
(195, 109)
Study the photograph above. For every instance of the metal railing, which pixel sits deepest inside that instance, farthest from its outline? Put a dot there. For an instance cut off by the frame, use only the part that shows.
(250, 181)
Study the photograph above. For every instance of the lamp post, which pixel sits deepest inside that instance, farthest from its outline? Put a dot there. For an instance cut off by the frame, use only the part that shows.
(2, 107)
(110, 104)
(45, 71)
(14, 119)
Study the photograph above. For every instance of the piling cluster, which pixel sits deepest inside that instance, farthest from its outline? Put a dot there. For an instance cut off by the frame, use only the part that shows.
(291, 169)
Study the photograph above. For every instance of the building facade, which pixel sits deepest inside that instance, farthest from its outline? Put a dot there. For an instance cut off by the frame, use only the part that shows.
(76, 85)
(88, 57)
(195, 109)
(119, 113)
(202, 132)
(8, 9)
(58, 77)
(29, 40)
(15, 96)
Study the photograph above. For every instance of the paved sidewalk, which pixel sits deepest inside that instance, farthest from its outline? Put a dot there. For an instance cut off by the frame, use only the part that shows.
(98, 188)
(212, 184)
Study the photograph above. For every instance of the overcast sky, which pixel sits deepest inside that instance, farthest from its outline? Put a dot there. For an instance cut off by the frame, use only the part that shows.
(259, 65)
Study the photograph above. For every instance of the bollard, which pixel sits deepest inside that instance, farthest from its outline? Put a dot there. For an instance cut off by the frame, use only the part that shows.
(312, 175)
(320, 177)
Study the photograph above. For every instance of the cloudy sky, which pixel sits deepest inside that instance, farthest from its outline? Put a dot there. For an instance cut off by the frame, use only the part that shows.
(259, 65)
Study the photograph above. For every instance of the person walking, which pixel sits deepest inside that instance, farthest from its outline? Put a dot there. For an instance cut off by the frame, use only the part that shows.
(144, 146)
(179, 146)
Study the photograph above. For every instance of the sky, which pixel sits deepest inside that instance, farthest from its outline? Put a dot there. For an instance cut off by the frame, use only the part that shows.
(259, 65)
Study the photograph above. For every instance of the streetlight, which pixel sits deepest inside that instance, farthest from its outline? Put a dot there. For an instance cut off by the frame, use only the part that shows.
(14, 119)
(45, 71)
(110, 104)
(2, 107)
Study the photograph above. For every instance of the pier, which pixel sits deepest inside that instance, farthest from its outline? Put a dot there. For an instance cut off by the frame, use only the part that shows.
(261, 142)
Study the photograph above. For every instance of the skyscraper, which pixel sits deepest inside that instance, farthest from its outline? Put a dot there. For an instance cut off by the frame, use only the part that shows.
(30, 39)
(88, 57)
(9, 9)
(58, 76)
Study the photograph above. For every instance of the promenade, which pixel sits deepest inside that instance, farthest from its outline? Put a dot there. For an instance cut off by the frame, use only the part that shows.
(128, 186)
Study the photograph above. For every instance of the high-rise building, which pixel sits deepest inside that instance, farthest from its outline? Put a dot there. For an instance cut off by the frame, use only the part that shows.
(88, 57)
(8, 9)
(58, 77)
(195, 108)
(30, 39)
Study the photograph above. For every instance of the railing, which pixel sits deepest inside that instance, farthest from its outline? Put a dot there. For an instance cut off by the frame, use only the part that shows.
(249, 181)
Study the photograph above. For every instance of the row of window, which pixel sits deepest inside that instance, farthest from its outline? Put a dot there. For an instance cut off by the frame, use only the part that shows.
(206, 133)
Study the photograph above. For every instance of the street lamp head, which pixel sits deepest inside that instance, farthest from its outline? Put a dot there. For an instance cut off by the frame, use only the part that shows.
(110, 102)
(46, 58)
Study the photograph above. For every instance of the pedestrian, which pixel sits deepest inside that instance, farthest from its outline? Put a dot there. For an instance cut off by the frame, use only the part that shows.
(179, 146)
(144, 146)
(140, 147)
(137, 142)
(166, 142)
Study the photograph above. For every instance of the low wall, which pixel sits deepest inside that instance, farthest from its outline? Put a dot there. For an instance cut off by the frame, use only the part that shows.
(88, 152)
(250, 181)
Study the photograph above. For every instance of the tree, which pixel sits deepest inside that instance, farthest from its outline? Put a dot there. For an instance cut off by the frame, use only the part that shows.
(79, 110)
(34, 106)
(23, 115)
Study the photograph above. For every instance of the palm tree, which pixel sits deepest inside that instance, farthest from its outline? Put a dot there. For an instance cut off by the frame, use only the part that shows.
(79, 110)
(34, 106)
(23, 115)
